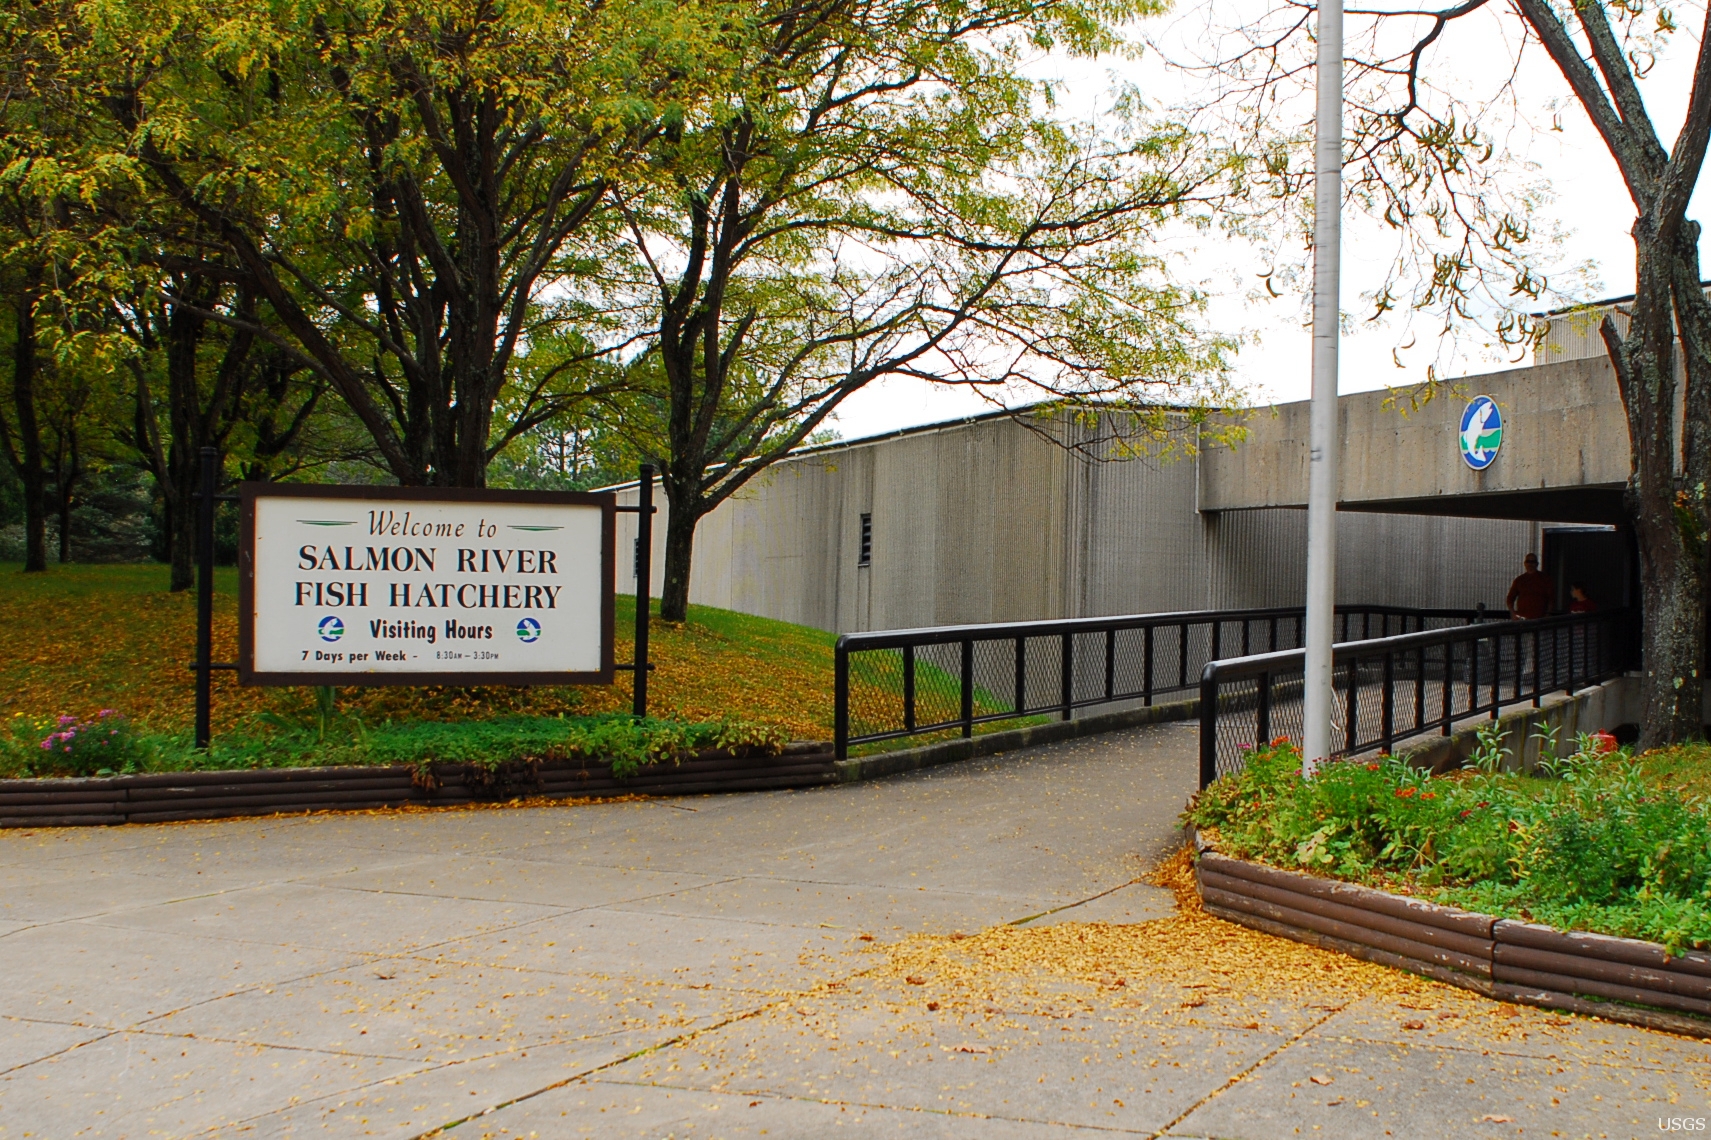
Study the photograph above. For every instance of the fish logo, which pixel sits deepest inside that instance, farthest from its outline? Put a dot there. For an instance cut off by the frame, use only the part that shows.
(1481, 432)
(528, 630)
(330, 628)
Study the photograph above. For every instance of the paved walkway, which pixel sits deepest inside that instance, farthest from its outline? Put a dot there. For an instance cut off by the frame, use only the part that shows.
(698, 967)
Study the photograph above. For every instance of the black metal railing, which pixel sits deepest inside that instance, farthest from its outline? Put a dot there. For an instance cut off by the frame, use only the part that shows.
(1389, 688)
(909, 682)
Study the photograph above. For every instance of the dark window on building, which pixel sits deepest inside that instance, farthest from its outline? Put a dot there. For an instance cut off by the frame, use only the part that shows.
(866, 558)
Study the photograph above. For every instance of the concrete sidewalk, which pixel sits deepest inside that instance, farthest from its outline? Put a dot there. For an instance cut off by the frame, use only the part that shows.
(697, 967)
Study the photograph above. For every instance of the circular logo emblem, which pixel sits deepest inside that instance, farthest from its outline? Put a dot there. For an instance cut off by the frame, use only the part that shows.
(1481, 432)
(528, 630)
(331, 628)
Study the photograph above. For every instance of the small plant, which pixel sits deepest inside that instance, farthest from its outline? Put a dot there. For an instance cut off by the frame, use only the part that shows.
(326, 710)
(1489, 756)
(103, 743)
(1590, 749)
(317, 725)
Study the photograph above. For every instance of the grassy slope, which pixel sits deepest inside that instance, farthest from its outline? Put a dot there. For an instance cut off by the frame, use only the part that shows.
(82, 638)
(1685, 769)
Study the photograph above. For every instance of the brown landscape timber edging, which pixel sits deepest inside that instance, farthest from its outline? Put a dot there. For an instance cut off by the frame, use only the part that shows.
(160, 797)
(1595, 974)
(991, 743)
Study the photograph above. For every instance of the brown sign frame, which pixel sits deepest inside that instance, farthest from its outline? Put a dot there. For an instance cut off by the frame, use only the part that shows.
(248, 493)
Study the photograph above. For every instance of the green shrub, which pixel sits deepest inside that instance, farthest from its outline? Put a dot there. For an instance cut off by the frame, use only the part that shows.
(272, 741)
(73, 746)
(1592, 845)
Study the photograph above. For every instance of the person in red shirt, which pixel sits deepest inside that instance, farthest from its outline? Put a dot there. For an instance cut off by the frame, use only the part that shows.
(1531, 594)
(1579, 602)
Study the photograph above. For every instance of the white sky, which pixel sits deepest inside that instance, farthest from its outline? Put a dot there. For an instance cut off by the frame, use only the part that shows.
(1590, 204)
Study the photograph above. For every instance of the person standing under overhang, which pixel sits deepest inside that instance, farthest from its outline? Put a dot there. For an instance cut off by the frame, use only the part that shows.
(1530, 594)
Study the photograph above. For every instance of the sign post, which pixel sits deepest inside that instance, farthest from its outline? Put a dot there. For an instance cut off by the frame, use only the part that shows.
(644, 585)
(205, 598)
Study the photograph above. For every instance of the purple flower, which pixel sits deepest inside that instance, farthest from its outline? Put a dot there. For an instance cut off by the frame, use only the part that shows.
(65, 720)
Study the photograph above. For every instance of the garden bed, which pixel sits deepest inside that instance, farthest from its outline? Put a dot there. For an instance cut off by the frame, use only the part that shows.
(154, 797)
(1620, 979)
(1474, 876)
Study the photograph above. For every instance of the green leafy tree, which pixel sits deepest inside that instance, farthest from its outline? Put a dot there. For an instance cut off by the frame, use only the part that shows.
(52, 279)
(401, 184)
(885, 194)
(1423, 152)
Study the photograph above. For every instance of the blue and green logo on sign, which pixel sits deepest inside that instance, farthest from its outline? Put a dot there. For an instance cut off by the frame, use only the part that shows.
(1481, 432)
(331, 628)
(528, 630)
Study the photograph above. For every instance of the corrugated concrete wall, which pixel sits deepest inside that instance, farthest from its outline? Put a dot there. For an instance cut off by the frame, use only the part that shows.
(992, 520)
(1259, 558)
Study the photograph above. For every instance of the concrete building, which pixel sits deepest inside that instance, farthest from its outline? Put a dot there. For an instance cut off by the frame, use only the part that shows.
(999, 518)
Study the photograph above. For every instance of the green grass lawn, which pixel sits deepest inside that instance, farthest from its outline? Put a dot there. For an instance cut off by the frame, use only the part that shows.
(81, 638)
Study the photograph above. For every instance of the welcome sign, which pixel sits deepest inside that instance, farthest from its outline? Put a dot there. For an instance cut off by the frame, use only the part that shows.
(409, 586)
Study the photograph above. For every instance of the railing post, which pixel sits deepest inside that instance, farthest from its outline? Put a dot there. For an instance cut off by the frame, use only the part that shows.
(841, 701)
(1449, 686)
(1389, 714)
(1538, 671)
(1147, 668)
(205, 599)
(1420, 688)
(967, 687)
(1262, 714)
(1182, 657)
(1021, 675)
(1066, 658)
(1110, 664)
(1352, 719)
(908, 688)
(1473, 676)
(1208, 724)
(1496, 674)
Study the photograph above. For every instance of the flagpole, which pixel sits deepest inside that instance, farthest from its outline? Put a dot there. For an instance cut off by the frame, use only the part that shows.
(1316, 742)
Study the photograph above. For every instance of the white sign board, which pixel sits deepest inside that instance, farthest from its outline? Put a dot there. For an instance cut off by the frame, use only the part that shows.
(381, 585)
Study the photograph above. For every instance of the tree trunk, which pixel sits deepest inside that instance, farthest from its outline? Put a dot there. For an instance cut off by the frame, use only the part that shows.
(66, 482)
(67, 472)
(1671, 542)
(679, 551)
(1672, 594)
(28, 460)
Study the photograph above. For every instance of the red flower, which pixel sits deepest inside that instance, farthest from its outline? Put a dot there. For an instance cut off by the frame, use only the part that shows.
(1372, 767)
(1429, 796)
(1280, 741)
(1465, 814)
(1404, 793)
